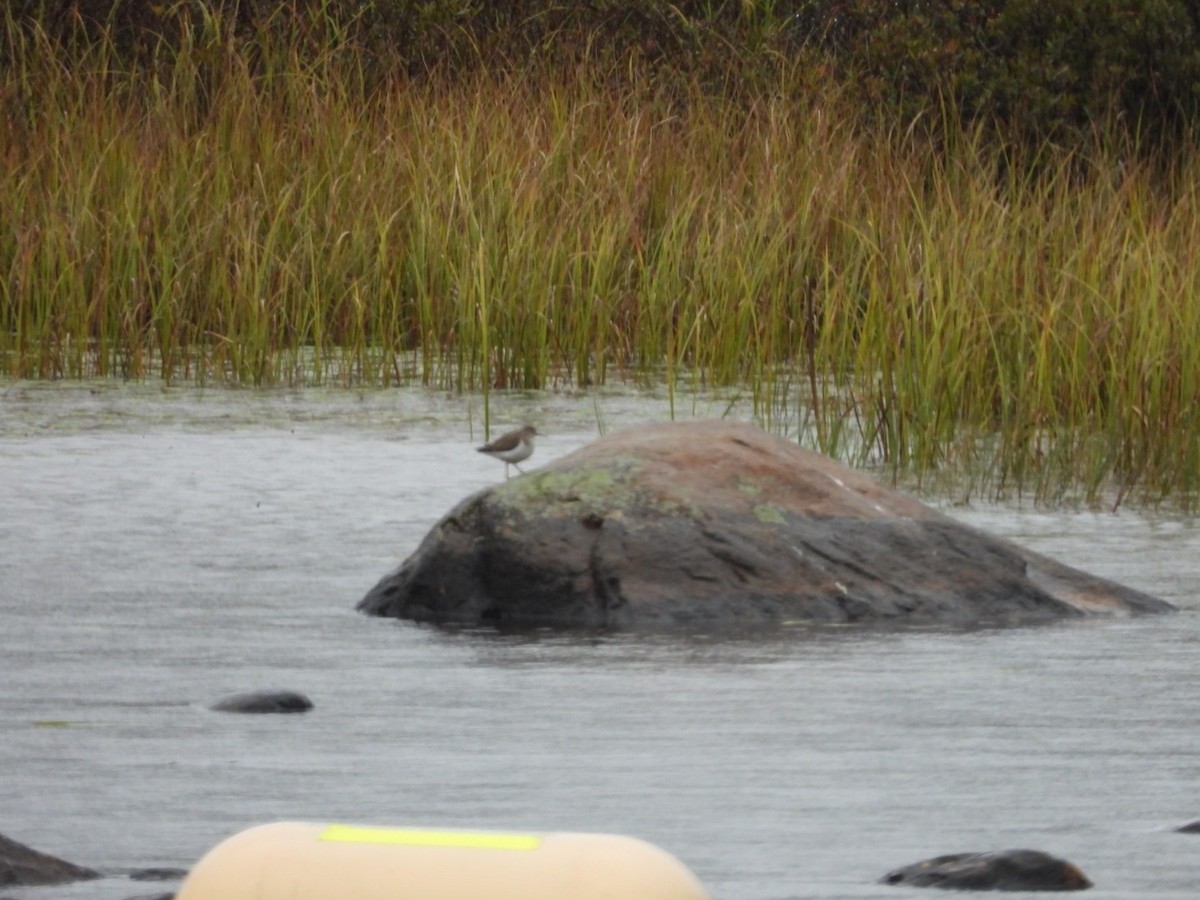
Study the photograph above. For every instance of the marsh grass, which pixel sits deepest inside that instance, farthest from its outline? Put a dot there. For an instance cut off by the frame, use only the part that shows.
(262, 217)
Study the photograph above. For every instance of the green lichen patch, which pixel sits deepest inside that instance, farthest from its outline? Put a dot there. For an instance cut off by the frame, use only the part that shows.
(769, 514)
(748, 487)
(610, 489)
(550, 490)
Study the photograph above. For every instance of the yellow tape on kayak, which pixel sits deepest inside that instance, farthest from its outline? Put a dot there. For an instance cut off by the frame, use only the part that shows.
(412, 837)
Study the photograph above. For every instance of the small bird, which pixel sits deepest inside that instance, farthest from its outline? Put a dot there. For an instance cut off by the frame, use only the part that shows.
(512, 448)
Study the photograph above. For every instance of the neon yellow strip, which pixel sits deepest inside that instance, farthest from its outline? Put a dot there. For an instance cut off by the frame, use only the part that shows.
(411, 837)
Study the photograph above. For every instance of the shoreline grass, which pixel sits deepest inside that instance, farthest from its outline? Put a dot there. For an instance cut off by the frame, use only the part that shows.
(933, 308)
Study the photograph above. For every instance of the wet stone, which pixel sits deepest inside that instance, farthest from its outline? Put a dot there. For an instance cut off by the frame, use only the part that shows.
(21, 865)
(264, 702)
(1005, 870)
(158, 874)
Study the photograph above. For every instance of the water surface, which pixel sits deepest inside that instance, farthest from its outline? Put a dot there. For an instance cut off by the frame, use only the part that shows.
(161, 549)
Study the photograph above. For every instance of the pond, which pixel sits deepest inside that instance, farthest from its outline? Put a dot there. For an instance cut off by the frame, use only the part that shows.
(160, 549)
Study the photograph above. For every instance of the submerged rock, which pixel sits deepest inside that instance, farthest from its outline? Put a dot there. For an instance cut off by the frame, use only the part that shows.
(24, 866)
(1006, 870)
(719, 526)
(158, 874)
(1190, 828)
(264, 702)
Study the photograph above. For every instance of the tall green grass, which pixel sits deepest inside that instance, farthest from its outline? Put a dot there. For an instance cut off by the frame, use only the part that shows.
(262, 217)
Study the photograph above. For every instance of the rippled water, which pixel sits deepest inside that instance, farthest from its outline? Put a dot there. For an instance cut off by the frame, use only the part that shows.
(159, 550)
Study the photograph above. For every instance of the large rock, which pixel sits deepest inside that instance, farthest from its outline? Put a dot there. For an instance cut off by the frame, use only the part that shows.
(716, 526)
(1006, 870)
(21, 865)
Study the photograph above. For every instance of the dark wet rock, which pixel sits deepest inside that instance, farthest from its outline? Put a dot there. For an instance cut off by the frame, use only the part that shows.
(1190, 828)
(719, 526)
(1006, 870)
(21, 865)
(160, 874)
(264, 702)
(152, 897)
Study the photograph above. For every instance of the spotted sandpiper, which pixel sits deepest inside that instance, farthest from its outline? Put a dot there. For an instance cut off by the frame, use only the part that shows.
(512, 448)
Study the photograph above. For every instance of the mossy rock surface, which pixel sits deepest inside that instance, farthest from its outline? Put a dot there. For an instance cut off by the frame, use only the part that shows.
(718, 526)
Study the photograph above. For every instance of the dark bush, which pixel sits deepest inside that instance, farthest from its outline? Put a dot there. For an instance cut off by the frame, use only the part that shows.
(1034, 68)
(1037, 68)
(430, 34)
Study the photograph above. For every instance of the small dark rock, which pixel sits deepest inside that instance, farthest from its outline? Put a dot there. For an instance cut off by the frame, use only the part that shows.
(21, 865)
(152, 897)
(264, 702)
(162, 874)
(1190, 828)
(1005, 870)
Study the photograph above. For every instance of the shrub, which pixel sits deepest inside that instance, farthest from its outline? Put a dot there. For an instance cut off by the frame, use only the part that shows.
(1037, 68)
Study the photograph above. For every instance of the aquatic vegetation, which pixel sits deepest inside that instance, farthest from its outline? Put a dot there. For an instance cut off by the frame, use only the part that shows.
(1027, 316)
